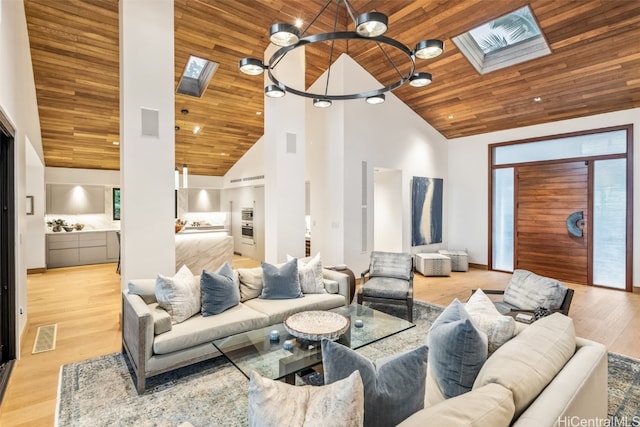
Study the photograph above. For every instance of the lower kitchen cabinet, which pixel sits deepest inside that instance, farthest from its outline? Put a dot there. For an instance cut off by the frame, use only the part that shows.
(80, 248)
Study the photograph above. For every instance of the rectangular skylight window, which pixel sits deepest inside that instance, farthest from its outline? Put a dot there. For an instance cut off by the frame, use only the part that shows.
(506, 31)
(508, 40)
(196, 76)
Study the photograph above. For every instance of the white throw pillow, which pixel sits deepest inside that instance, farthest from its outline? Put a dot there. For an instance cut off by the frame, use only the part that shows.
(487, 318)
(179, 295)
(310, 274)
(277, 404)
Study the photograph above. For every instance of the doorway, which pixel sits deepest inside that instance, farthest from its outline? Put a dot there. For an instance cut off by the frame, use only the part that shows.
(547, 195)
(562, 206)
(7, 254)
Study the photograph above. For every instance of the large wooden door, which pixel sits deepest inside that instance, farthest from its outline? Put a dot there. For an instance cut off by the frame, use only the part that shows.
(546, 194)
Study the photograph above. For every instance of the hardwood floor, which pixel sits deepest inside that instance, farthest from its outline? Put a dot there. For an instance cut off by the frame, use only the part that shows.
(85, 303)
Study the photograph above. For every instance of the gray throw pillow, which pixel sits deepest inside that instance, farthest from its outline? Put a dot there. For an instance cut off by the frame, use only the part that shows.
(280, 283)
(457, 350)
(219, 291)
(277, 404)
(393, 386)
(179, 295)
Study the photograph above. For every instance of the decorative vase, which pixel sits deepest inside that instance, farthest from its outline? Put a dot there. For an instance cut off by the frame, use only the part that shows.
(56, 228)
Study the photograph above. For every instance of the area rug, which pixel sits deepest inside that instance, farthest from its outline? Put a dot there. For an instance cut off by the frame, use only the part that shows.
(101, 392)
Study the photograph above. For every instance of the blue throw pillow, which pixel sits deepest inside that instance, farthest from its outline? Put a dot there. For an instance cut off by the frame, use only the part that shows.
(457, 350)
(219, 291)
(282, 282)
(393, 387)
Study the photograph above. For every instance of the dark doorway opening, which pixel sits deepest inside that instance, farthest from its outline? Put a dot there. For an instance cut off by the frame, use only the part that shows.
(7, 254)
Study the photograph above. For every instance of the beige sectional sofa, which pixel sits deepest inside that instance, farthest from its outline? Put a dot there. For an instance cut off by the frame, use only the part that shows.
(544, 376)
(155, 345)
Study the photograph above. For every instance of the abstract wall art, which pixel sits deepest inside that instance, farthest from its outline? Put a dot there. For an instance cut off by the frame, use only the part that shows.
(426, 210)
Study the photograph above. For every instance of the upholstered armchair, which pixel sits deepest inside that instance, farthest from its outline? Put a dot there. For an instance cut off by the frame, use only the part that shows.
(527, 291)
(388, 280)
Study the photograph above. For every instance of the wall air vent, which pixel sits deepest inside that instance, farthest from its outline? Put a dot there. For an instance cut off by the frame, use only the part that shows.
(196, 76)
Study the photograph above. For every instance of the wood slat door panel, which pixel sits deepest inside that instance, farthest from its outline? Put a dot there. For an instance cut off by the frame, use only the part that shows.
(546, 195)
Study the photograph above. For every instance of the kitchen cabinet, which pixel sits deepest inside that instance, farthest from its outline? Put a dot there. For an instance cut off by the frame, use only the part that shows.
(75, 199)
(67, 249)
(203, 200)
(113, 246)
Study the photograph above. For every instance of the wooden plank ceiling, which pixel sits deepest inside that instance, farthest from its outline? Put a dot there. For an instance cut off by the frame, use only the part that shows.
(594, 68)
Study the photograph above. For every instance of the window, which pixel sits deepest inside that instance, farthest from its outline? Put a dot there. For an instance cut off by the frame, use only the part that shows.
(505, 41)
(116, 203)
(196, 76)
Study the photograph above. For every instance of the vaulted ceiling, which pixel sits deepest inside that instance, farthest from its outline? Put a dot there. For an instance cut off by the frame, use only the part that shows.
(594, 68)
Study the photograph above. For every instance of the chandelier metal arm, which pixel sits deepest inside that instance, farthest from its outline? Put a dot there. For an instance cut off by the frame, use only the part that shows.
(326, 5)
(333, 42)
(348, 6)
(393, 64)
(343, 35)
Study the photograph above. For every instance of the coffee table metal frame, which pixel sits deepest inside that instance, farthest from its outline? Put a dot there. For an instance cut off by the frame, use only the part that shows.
(255, 351)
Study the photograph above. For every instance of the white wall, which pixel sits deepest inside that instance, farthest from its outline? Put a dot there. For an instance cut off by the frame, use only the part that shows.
(250, 165)
(467, 191)
(18, 103)
(389, 136)
(387, 210)
(147, 161)
(34, 238)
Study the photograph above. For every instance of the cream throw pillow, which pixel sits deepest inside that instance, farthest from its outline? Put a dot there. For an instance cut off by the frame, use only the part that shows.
(528, 362)
(487, 318)
(491, 405)
(277, 404)
(179, 295)
(310, 274)
(250, 283)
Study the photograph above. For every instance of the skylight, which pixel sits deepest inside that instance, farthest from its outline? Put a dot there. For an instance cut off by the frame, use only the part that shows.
(196, 76)
(502, 42)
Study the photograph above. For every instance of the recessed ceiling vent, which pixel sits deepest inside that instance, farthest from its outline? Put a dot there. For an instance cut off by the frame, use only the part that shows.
(196, 76)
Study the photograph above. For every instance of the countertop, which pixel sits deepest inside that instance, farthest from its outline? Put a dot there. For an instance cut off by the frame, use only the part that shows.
(92, 230)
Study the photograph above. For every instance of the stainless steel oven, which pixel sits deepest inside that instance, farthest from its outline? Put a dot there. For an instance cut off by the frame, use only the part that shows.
(247, 232)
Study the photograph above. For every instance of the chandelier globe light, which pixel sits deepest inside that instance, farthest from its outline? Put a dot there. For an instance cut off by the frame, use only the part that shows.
(369, 26)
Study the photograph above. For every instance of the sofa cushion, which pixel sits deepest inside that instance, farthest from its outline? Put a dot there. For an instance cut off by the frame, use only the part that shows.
(250, 283)
(274, 403)
(200, 330)
(491, 405)
(529, 361)
(280, 282)
(161, 319)
(219, 291)
(528, 291)
(391, 392)
(310, 275)
(145, 288)
(179, 295)
(487, 318)
(278, 310)
(457, 350)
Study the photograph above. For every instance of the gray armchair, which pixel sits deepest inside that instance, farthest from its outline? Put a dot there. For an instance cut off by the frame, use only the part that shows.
(388, 280)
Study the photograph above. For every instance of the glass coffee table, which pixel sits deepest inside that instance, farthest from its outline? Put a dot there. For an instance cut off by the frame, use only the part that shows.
(256, 351)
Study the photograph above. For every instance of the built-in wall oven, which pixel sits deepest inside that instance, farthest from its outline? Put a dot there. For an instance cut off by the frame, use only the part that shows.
(247, 226)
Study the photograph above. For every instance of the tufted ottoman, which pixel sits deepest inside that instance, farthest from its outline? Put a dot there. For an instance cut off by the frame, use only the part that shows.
(432, 264)
(459, 259)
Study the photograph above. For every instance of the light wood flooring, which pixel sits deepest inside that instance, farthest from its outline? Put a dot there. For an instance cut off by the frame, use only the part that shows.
(85, 303)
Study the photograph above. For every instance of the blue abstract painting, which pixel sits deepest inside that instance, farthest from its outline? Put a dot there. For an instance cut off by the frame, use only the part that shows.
(426, 211)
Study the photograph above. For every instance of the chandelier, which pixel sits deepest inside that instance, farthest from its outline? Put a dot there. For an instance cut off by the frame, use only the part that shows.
(368, 26)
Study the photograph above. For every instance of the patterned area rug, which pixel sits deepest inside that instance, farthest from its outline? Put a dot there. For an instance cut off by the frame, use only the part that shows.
(101, 392)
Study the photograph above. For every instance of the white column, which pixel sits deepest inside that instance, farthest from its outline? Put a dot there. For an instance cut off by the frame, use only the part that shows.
(284, 174)
(147, 138)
